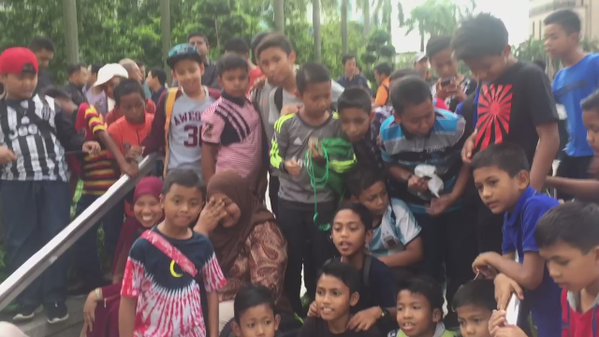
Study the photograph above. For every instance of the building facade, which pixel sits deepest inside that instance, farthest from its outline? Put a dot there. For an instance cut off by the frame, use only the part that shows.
(588, 10)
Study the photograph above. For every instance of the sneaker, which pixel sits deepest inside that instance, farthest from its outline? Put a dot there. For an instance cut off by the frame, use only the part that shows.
(25, 313)
(57, 312)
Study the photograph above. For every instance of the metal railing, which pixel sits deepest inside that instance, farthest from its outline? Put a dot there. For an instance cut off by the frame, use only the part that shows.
(21, 278)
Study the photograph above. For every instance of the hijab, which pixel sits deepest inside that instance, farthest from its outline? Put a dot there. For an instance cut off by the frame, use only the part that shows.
(228, 242)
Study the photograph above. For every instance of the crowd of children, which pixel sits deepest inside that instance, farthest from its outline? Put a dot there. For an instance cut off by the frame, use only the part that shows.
(418, 213)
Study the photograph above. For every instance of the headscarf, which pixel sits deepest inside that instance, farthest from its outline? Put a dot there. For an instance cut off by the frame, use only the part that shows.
(228, 242)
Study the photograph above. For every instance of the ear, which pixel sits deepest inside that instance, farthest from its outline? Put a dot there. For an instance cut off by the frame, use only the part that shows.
(437, 315)
(161, 200)
(523, 180)
(507, 51)
(354, 298)
(202, 68)
(292, 57)
(237, 329)
(595, 252)
(277, 321)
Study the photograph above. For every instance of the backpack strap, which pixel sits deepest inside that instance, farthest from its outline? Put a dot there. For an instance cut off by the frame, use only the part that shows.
(366, 270)
(171, 252)
(279, 99)
(169, 108)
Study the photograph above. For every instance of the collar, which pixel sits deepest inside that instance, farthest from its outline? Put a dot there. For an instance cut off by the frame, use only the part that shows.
(574, 300)
(439, 330)
(512, 218)
(237, 100)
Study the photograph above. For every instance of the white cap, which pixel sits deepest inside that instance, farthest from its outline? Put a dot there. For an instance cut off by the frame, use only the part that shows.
(10, 330)
(110, 70)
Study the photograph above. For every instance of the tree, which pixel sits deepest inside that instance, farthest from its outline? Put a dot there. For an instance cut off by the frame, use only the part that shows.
(344, 28)
(316, 29)
(279, 11)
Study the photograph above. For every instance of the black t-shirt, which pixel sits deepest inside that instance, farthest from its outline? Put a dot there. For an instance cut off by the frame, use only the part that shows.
(316, 327)
(510, 108)
(380, 290)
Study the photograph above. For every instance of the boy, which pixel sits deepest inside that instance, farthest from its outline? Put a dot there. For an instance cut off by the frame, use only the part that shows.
(474, 303)
(568, 237)
(502, 179)
(352, 77)
(305, 209)
(35, 193)
(232, 136)
(200, 42)
(420, 134)
(155, 302)
(77, 78)
(44, 51)
(177, 123)
(155, 81)
(336, 293)
(514, 104)
(578, 79)
(240, 47)
(420, 309)
(381, 74)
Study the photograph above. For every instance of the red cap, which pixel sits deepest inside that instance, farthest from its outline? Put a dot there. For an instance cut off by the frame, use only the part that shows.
(16, 60)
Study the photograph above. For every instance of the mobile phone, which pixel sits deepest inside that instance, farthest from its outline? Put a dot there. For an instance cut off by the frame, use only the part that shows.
(447, 81)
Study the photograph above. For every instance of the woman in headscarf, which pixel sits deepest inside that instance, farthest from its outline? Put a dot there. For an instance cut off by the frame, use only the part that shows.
(247, 241)
(102, 320)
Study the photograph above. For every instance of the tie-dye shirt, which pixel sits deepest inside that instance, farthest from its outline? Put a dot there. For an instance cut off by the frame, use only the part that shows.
(168, 299)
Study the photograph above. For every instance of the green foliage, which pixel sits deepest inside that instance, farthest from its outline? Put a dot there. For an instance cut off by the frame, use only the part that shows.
(530, 50)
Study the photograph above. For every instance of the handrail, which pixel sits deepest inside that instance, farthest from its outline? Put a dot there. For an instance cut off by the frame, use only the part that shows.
(21, 278)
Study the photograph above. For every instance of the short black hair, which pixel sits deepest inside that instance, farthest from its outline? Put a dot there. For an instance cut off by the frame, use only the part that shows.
(362, 212)
(126, 87)
(506, 156)
(426, 286)
(231, 62)
(591, 102)
(383, 68)
(437, 44)
(257, 39)
(74, 68)
(479, 293)
(361, 178)
(355, 97)
(40, 43)
(57, 93)
(574, 223)
(237, 45)
(311, 73)
(347, 57)
(274, 40)
(409, 91)
(183, 177)
(344, 272)
(161, 74)
(250, 297)
(95, 68)
(199, 34)
(480, 36)
(568, 19)
(541, 64)
(405, 72)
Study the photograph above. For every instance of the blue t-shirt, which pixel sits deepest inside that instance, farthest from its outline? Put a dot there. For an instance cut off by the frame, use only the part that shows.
(571, 86)
(519, 229)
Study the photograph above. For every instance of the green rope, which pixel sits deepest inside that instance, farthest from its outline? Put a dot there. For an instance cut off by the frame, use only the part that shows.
(318, 183)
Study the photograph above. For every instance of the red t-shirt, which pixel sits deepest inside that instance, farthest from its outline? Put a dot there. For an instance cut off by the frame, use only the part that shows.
(126, 134)
(578, 324)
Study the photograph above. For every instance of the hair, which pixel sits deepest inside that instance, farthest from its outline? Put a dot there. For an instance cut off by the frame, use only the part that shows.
(540, 63)
(40, 43)
(231, 62)
(409, 91)
(127, 87)
(257, 40)
(567, 19)
(437, 44)
(574, 223)
(357, 98)
(479, 293)
(344, 272)
(161, 74)
(311, 73)
(591, 103)
(480, 36)
(57, 93)
(507, 157)
(95, 68)
(198, 34)
(140, 64)
(274, 40)
(183, 177)
(383, 68)
(426, 286)
(401, 73)
(362, 178)
(347, 57)
(250, 297)
(237, 45)
(362, 212)
(74, 68)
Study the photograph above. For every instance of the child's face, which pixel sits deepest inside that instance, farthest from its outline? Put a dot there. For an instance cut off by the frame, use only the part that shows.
(474, 321)
(276, 65)
(444, 64)
(415, 316)
(110, 85)
(235, 82)
(317, 98)
(590, 119)
(19, 87)
(418, 120)
(182, 205)
(258, 321)
(571, 268)
(498, 190)
(558, 42)
(133, 108)
(355, 123)
(333, 298)
(189, 75)
(349, 233)
(489, 68)
(375, 198)
(147, 210)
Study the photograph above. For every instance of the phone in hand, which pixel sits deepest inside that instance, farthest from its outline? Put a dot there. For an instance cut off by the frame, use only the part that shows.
(447, 81)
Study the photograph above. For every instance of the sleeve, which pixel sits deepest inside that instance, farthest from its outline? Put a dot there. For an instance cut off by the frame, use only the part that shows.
(385, 155)
(280, 142)
(94, 122)
(534, 210)
(212, 275)
(66, 133)
(385, 286)
(539, 97)
(155, 140)
(134, 272)
(212, 125)
(268, 257)
(405, 222)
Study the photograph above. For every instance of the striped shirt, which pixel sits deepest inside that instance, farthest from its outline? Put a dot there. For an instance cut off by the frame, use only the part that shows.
(28, 128)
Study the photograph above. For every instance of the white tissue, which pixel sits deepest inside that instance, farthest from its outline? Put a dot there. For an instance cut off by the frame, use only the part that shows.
(435, 184)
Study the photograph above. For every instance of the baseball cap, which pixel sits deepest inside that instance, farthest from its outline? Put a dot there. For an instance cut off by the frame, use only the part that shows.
(16, 60)
(183, 51)
(110, 70)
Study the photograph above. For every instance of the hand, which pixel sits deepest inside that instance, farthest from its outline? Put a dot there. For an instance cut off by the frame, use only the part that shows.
(89, 312)
(509, 331)
(497, 321)
(91, 147)
(313, 310)
(441, 90)
(483, 264)
(417, 184)
(440, 205)
(6, 155)
(293, 167)
(210, 217)
(289, 109)
(316, 150)
(364, 319)
(504, 288)
(130, 169)
(468, 149)
(134, 153)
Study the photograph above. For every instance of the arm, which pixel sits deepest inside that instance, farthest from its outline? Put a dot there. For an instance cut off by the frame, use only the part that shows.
(411, 255)
(209, 154)
(155, 140)
(66, 133)
(529, 274)
(126, 167)
(212, 314)
(546, 151)
(587, 189)
(441, 204)
(127, 316)
(399, 174)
